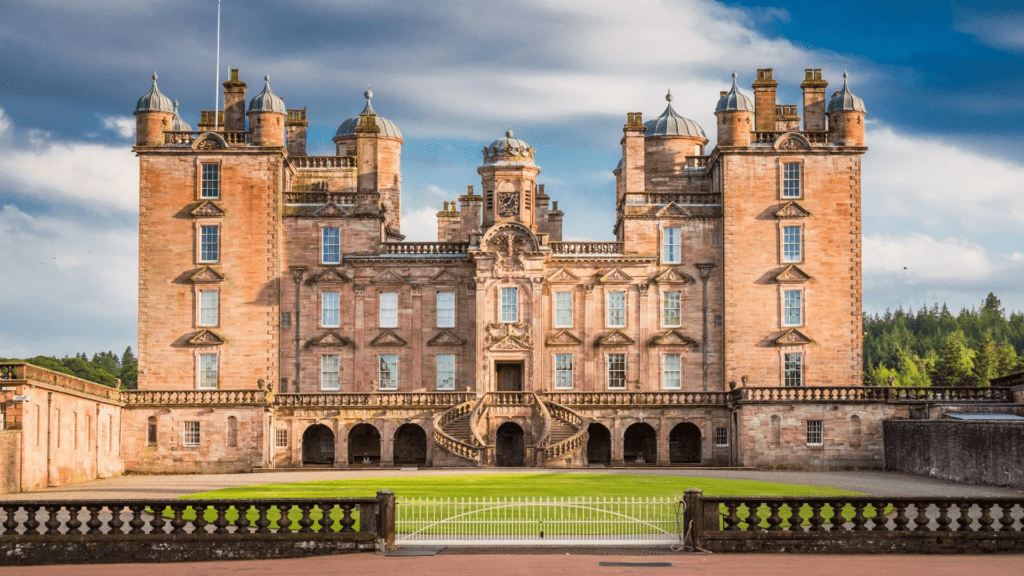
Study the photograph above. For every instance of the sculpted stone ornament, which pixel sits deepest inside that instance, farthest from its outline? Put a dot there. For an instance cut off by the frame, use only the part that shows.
(508, 254)
(518, 331)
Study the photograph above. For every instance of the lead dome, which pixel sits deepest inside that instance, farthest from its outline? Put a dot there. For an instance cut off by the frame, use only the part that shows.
(267, 101)
(844, 100)
(734, 100)
(670, 123)
(154, 100)
(387, 127)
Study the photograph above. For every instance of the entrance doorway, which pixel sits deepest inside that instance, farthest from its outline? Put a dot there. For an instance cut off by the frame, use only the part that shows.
(509, 445)
(364, 445)
(684, 444)
(410, 445)
(599, 444)
(640, 445)
(318, 445)
(509, 376)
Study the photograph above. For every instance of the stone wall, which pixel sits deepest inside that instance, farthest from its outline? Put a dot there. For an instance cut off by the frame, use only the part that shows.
(10, 461)
(971, 452)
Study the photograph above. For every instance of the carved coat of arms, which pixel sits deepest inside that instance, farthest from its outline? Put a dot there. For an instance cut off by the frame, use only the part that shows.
(508, 254)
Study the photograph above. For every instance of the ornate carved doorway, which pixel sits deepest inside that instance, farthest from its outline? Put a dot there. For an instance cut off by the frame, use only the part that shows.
(509, 376)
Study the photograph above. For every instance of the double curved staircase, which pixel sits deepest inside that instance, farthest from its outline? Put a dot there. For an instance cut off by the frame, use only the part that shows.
(563, 435)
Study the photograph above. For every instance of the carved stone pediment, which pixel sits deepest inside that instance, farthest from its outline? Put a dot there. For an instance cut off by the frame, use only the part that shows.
(792, 141)
(446, 277)
(387, 338)
(207, 209)
(328, 276)
(792, 337)
(209, 141)
(791, 210)
(673, 209)
(673, 338)
(521, 331)
(563, 338)
(446, 338)
(615, 338)
(616, 276)
(562, 276)
(206, 337)
(329, 339)
(791, 274)
(673, 276)
(330, 210)
(206, 275)
(388, 277)
(509, 344)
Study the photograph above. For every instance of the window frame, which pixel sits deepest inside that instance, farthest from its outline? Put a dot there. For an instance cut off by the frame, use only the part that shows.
(784, 258)
(563, 373)
(508, 308)
(204, 307)
(449, 312)
(324, 372)
(191, 434)
(671, 253)
(281, 438)
(390, 320)
(665, 372)
(609, 359)
(324, 310)
(560, 308)
(202, 254)
(665, 301)
(393, 379)
(336, 259)
(609, 311)
(450, 373)
(815, 430)
(785, 178)
(202, 370)
(721, 437)
(152, 431)
(203, 181)
(789, 368)
(787, 307)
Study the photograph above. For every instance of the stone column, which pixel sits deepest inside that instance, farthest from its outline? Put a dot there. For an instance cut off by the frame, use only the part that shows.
(663, 433)
(416, 344)
(340, 444)
(387, 444)
(362, 360)
(617, 433)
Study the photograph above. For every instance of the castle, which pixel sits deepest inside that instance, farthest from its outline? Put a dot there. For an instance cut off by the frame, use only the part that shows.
(284, 321)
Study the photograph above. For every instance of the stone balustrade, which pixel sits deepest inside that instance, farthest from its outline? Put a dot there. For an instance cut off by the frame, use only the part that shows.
(812, 394)
(232, 138)
(596, 399)
(509, 399)
(695, 162)
(427, 248)
(321, 198)
(323, 162)
(769, 138)
(193, 397)
(587, 248)
(381, 399)
(666, 198)
(18, 372)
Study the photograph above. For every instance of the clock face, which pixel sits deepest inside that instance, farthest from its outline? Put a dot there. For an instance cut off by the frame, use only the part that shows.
(508, 204)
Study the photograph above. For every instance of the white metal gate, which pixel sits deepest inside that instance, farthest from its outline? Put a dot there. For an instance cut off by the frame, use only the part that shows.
(590, 521)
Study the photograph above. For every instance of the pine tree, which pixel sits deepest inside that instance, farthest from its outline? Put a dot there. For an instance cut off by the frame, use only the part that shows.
(129, 373)
(985, 360)
(954, 366)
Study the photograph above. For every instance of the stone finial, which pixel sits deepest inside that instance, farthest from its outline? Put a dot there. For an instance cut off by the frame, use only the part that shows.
(669, 97)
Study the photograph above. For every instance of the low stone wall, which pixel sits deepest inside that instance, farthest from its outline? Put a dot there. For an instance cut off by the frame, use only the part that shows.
(971, 452)
(10, 461)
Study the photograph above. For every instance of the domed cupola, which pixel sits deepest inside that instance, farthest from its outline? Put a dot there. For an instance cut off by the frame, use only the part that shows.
(177, 124)
(267, 101)
(670, 123)
(734, 100)
(387, 127)
(154, 101)
(844, 100)
(508, 151)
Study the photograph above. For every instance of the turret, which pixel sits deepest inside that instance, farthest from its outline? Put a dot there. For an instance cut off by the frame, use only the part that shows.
(154, 114)
(735, 114)
(846, 117)
(668, 140)
(266, 117)
(508, 177)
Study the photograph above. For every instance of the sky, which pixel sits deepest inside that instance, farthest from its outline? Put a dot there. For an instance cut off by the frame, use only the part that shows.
(943, 83)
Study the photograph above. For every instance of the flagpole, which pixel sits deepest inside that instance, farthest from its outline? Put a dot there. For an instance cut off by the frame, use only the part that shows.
(216, 88)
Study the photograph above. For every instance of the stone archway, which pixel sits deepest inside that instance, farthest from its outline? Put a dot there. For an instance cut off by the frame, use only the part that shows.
(364, 445)
(684, 445)
(318, 445)
(410, 445)
(599, 444)
(509, 444)
(640, 445)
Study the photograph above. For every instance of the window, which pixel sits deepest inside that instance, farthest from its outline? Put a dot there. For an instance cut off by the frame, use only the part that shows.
(563, 309)
(815, 433)
(281, 438)
(791, 180)
(616, 371)
(209, 243)
(330, 247)
(389, 309)
(718, 320)
(190, 435)
(329, 372)
(671, 309)
(207, 371)
(792, 308)
(446, 371)
(286, 319)
(210, 181)
(721, 437)
(209, 307)
(716, 239)
(792, 244)
(671, 250)
(330, 313)
(388, 376)
(616, 309)
(151, 431)
(793, 370)
(563, 371)
(232, 432)
(671, 372)
(446, 310)
(509, 305)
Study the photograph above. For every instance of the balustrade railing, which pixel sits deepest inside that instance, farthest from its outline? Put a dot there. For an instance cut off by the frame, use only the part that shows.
(510, 398)
(428, 248)
(696, 162)
(192, 397)
(812, 394)
(588, 399)
(410, 399)
(571, 444)
(815, 138)
(323, 162)
(938, 393)
(587, 248)
(232, 138)
(319, 198)
(665, 198)
(450, 443)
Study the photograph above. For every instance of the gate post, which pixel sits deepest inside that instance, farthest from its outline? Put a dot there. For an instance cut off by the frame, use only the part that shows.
(386, 520)
(693, 517)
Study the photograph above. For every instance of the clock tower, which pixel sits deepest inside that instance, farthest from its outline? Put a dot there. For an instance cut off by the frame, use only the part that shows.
(509, 181)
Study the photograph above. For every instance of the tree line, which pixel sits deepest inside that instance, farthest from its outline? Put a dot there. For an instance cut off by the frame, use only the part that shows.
(932, 347)
(104, 368)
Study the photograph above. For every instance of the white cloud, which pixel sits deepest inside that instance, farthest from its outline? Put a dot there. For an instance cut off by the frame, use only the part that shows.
(920, 258)
(123, 126)
(1001, 27)
(420, 225)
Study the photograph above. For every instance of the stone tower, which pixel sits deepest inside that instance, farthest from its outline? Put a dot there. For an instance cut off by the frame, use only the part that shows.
(508, 178)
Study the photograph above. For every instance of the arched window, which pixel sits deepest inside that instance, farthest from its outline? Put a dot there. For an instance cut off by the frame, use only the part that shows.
(151, 431)
(776, 431)
(232, 431)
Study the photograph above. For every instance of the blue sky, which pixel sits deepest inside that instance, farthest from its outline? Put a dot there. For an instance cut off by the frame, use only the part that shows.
(943, 182)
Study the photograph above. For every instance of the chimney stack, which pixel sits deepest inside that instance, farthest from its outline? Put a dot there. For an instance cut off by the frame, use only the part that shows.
(764, 101)
(814, 100)
(234, 103)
